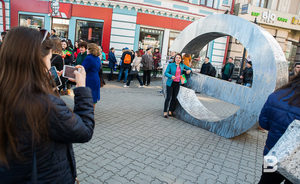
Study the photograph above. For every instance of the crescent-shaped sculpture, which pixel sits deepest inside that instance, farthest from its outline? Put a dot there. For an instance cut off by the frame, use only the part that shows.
(269, 66)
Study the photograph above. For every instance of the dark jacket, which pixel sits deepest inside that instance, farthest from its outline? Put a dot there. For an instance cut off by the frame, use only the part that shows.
(57, 61)
(55, 158)
(231, 68)
(112, 60)
(276, 116)
(157, 60)
(206, 68)
(248, 75)
(123, 56)
(80, 58)
(147, 61)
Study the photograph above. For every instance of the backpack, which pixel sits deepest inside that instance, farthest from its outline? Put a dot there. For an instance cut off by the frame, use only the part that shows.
(212, 71)
(127, 59)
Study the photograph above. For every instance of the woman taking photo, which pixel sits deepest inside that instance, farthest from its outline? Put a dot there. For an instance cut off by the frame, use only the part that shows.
(173, 72)
(92, 65)
(280, 110)
(37, 129)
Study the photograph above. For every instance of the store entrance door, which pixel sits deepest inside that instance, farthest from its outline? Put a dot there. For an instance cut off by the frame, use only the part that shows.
(61, 27)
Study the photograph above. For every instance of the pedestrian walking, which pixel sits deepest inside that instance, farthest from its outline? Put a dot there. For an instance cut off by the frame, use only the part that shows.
(174, 72)
(156, 59)
(136, 65)
(112, 62)
(37, 128)
(280, 110)
(227, 70)
(126, 59)
(147, 62)
(92, 65)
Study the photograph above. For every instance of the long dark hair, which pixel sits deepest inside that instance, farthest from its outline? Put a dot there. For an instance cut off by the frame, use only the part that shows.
(292, 86)
(25, 86)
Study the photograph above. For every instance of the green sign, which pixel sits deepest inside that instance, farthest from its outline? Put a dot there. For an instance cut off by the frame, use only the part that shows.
(255, 14)
(282, 19)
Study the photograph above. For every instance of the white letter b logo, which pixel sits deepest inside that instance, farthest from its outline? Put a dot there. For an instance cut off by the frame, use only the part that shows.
(270, 164)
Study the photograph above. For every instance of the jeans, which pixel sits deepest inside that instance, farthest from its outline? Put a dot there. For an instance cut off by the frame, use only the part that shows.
(248, 85)
(225, 77)
(130, 79)
(172, 93)
(147, 77)
(110, 76)
(126, 73)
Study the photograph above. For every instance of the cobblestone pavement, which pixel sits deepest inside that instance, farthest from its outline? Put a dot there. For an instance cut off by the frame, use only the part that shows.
(133, 143)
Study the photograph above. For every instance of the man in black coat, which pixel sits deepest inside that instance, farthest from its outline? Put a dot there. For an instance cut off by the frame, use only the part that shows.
(207, 68)
(247, 75)
(227, 70)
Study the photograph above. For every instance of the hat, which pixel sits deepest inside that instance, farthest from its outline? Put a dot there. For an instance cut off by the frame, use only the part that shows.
(250, 63)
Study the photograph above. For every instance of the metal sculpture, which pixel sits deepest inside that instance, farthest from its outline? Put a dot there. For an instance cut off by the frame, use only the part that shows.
(269, 65)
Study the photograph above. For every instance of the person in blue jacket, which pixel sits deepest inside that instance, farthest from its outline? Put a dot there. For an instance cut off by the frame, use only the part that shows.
(173, 72)
(280, 110)
(92, 66)
(112, 61)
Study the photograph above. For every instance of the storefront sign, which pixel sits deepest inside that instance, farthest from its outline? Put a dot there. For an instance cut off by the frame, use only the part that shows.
(60, 10)
(295, 21)
(268, 17)
(282, 19)
(244, 8)
(255, 14)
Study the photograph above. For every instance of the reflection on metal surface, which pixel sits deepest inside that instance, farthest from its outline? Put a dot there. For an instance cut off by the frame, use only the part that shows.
(287, 152)
(269, 65)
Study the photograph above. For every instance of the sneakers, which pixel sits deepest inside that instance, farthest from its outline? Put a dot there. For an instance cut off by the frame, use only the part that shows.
(125, 86)
(141, 86)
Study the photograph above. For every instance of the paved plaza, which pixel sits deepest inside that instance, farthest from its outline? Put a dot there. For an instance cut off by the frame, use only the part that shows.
(133, 143)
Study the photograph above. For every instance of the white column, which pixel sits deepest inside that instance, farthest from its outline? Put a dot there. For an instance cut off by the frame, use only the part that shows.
(165, 45)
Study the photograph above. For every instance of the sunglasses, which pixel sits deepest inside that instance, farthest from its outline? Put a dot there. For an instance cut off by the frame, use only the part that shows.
(45, 33)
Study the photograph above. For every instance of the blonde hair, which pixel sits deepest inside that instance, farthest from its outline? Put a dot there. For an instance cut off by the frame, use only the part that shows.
(93, 49)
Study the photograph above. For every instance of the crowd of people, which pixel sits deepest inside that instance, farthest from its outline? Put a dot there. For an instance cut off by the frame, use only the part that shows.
(37, 129)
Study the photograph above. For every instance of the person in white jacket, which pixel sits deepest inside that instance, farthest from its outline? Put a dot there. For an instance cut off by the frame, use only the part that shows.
(135, 68)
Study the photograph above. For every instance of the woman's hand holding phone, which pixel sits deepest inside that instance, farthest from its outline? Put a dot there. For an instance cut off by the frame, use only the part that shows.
(80, 76)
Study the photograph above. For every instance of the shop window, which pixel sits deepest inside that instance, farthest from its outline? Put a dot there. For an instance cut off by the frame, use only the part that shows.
(32, 21)
(151, 37)
(261, 3)
(61, 27)
(208, 3)
(89, 31)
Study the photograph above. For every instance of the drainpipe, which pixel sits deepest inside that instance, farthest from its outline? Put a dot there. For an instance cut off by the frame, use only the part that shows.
(227, 43)
(3, 14)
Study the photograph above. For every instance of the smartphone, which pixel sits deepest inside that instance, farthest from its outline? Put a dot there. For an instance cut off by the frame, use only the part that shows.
(56, 78)
(68, 71)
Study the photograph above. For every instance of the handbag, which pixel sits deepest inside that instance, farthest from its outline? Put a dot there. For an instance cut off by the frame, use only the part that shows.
(287, 153)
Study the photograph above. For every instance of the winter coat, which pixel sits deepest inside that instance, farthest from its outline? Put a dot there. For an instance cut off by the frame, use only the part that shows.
(147, 62)
(123, 56)
(80, 58)
(92, 65)
(276, 116)
(136, 65)
(112, 60)
(55, 161)
(157, 60)
(248, 75)
(171, 71)
(57, 61)
(206, 68)
(231, 68)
